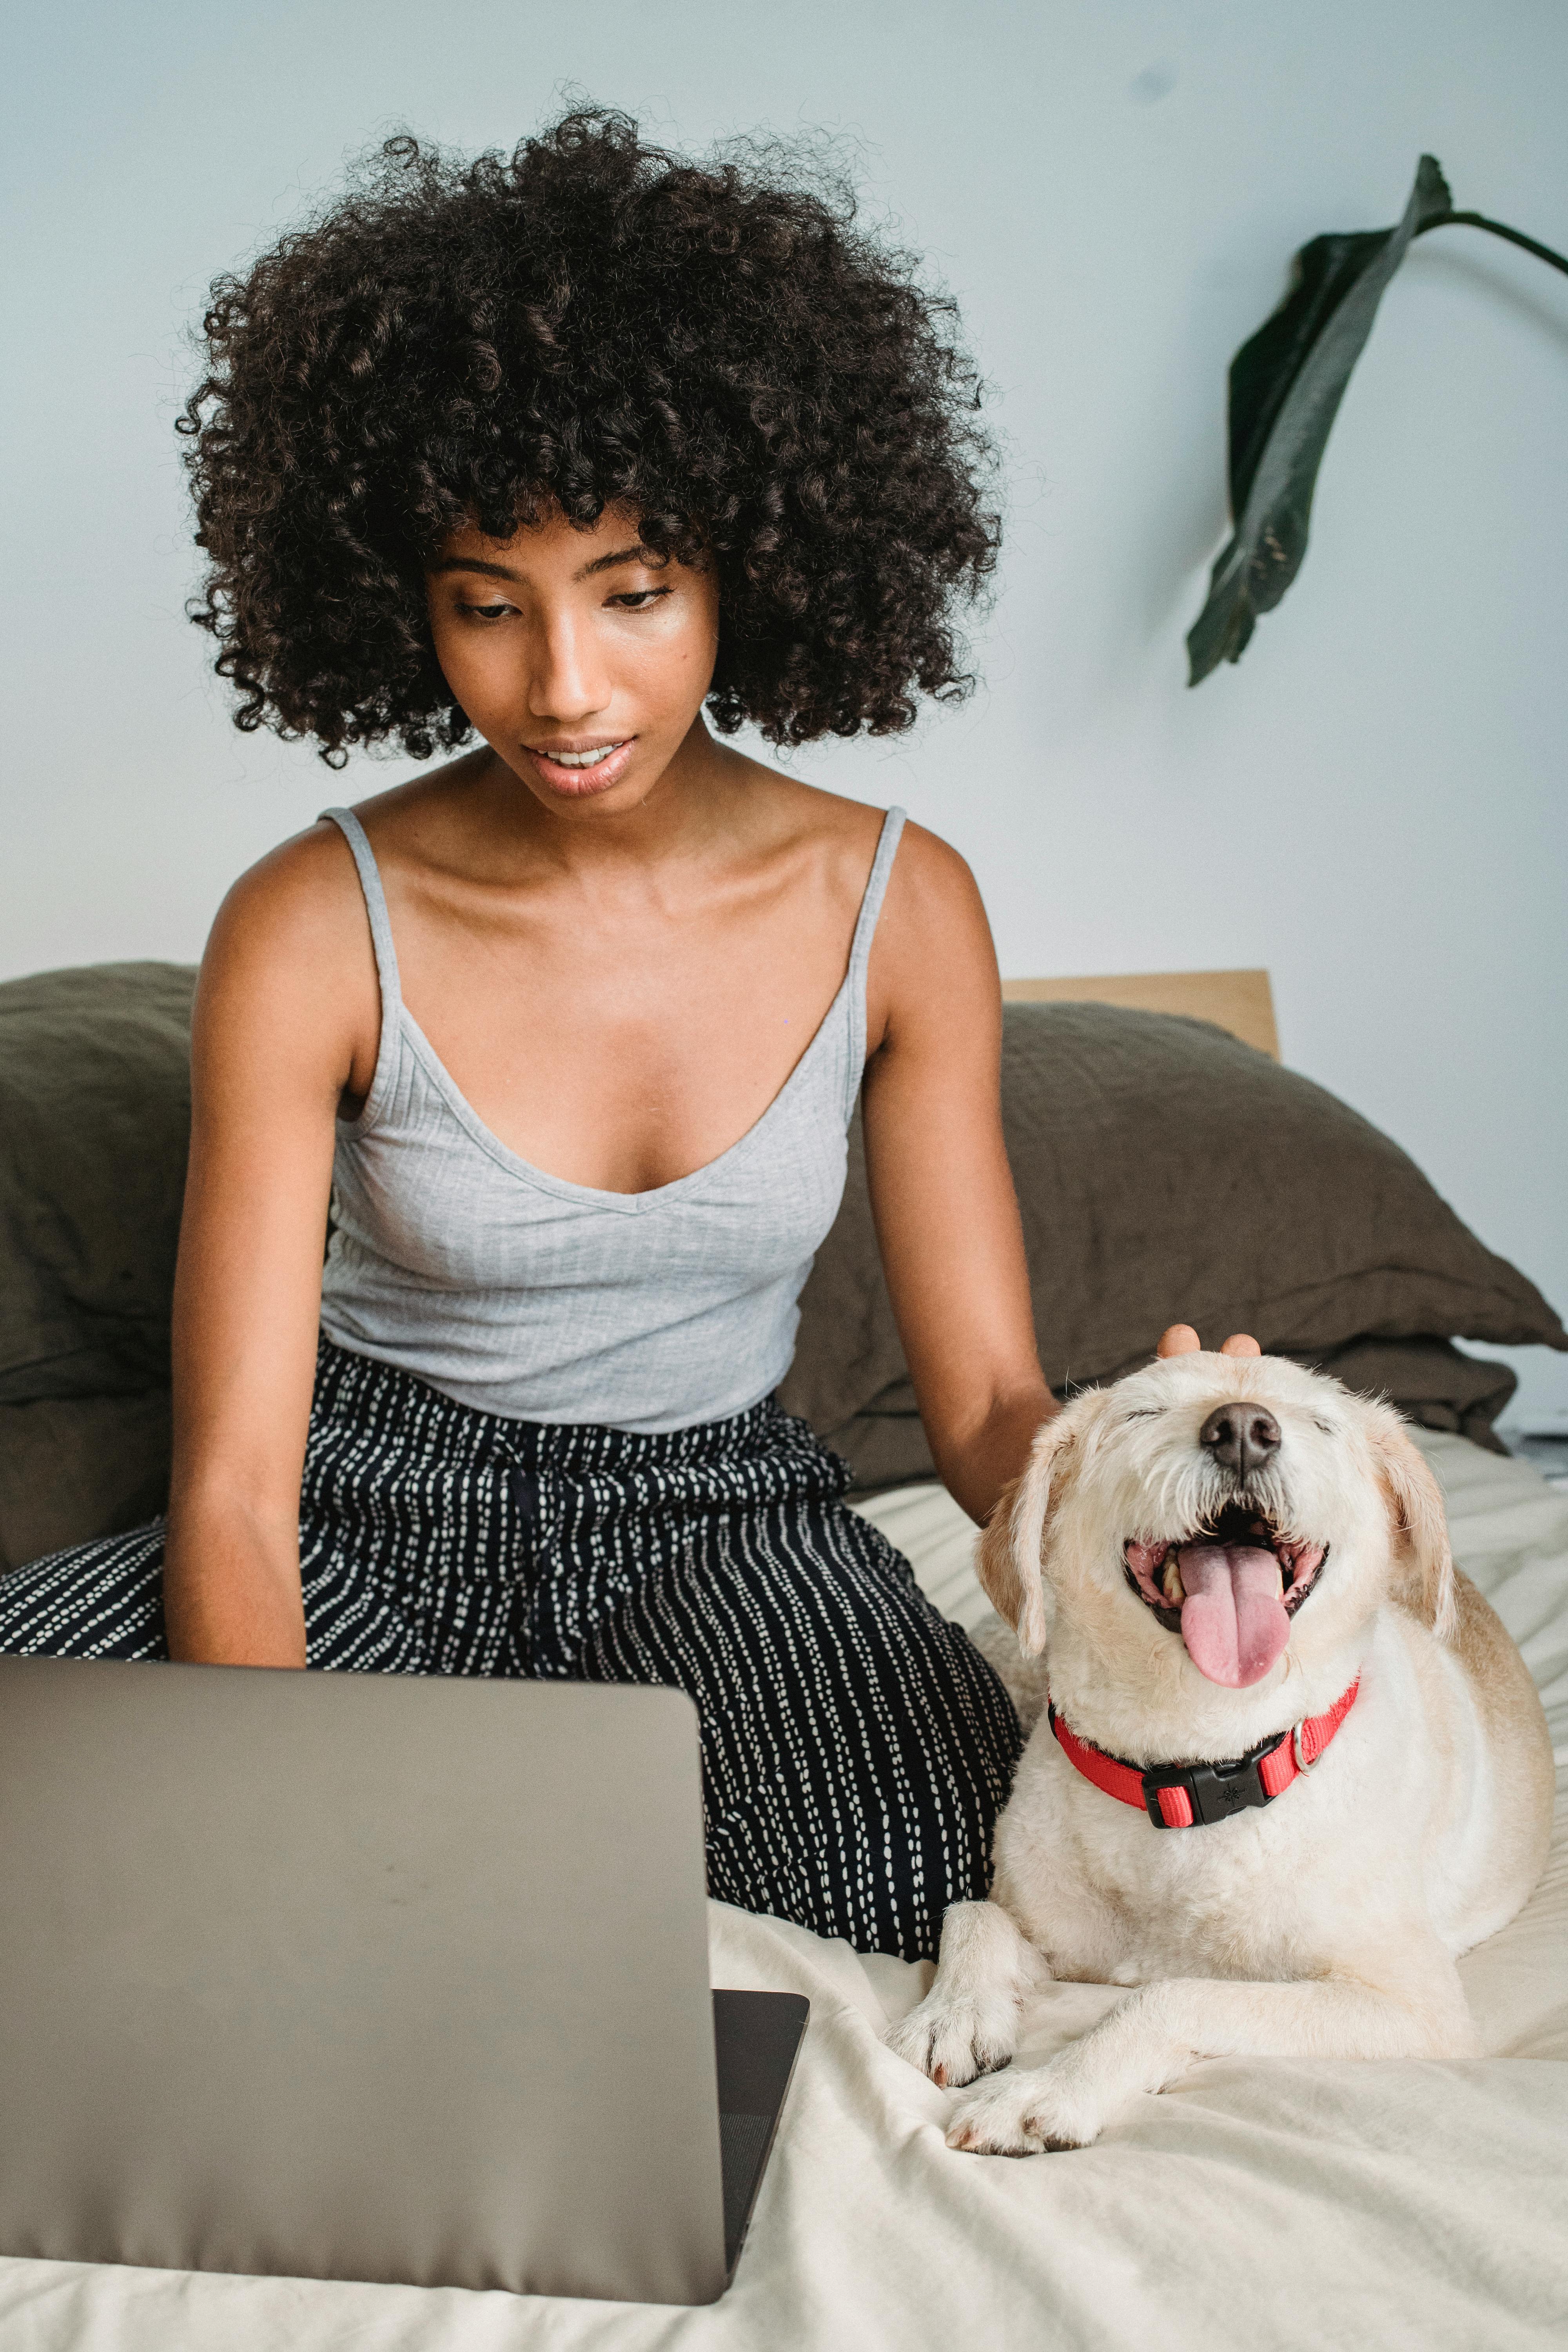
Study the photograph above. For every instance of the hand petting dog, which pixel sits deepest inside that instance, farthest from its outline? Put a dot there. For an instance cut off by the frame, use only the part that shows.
(1290, 1768)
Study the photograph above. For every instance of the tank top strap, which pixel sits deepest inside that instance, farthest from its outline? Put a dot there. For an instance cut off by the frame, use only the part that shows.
(369, 873)
(860, 947)
(355, 834)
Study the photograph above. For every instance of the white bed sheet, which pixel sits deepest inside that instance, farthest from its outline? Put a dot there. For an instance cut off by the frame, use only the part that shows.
(1259, 2205)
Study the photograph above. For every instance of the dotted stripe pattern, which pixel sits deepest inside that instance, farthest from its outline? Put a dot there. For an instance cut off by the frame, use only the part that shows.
(856, 1748)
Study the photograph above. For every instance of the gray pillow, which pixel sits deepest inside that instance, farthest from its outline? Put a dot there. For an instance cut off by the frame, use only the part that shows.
(1165, 1171)
(95, 1108)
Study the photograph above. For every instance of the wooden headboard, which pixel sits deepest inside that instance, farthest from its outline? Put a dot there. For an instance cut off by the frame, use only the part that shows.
(1241, 1002)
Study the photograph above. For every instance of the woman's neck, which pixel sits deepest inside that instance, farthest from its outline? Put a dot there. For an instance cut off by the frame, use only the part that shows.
(699, 800)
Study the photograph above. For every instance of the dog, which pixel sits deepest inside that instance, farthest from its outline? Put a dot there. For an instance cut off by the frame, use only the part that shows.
(1290, 1768)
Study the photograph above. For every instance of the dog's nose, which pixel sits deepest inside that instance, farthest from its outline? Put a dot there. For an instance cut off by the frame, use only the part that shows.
(1241, 1437)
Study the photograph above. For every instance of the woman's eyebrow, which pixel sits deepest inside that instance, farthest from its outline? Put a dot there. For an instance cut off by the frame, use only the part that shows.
(638, 554)
(473, 564)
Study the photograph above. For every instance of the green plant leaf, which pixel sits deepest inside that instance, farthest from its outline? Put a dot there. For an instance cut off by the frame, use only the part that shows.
(1286, 385)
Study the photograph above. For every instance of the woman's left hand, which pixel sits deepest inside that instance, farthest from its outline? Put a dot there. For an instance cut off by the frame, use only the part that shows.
(1181, 1340)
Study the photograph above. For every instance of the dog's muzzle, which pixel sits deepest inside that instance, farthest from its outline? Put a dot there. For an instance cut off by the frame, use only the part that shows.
(1229, 1591)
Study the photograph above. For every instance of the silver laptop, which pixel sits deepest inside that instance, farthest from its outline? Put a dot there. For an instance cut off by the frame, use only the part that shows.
(370, 1977)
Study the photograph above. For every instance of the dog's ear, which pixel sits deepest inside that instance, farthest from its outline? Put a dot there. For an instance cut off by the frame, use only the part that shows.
(1421, 1524)
(1007, 1559)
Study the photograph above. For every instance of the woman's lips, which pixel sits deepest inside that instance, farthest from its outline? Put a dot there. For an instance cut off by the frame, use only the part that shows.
(577, 782)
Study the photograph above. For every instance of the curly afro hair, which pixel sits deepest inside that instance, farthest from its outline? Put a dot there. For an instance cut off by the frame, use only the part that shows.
(589, 322)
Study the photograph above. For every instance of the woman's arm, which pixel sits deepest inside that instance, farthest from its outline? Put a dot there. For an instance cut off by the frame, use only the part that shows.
(286, 1022)
(941, 1193)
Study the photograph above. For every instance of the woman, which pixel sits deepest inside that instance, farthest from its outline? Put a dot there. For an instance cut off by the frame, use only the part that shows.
(560, 452)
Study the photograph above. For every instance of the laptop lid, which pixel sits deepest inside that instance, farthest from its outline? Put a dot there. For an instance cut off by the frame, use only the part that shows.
(356, 1976)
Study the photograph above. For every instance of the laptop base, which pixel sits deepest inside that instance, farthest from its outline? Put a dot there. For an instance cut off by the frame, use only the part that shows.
(756, 2040)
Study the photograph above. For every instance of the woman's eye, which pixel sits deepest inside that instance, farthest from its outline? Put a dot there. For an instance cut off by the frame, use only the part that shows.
(487, 612)
(636, 600)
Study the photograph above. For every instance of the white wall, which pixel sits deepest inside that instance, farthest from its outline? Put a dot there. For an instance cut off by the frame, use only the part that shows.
(1370, 804)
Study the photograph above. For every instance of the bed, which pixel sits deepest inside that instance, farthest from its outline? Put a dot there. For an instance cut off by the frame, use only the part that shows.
(1261, 2204)
(1275, 2203)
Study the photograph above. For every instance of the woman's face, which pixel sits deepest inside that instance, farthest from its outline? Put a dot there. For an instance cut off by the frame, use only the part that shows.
(581, 659)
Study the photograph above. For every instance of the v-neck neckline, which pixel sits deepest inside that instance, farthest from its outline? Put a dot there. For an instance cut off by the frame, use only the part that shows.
(597, 1195)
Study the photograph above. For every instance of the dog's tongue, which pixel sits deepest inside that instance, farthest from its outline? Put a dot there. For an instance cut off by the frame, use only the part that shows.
(1233, 1621)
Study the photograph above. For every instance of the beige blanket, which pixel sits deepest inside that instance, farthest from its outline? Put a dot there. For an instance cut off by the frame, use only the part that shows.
(1260, 2206)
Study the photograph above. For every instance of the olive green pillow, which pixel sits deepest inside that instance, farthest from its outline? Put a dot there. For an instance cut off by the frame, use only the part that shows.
(95, 1106)
(1165, 1171)
(76, 1467)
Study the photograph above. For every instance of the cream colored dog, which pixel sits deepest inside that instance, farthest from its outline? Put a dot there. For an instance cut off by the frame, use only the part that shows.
(1222, 1555)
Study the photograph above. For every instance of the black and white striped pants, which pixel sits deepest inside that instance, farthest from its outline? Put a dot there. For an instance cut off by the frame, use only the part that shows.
(856, 1748)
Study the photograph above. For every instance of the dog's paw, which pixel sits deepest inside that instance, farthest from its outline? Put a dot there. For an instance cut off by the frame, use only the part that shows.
(954, 2041)
(1025, 2114)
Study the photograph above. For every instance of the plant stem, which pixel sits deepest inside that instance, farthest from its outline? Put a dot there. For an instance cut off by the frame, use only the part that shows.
(1498, 228)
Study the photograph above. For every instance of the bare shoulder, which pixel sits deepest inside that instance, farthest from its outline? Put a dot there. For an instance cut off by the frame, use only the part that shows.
(933, 962)
(930, 881)
(301, 899)
(289, 952)
(431, 820)
(932, 884)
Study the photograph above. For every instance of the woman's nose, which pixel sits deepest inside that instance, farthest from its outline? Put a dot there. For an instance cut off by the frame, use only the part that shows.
(567, 682)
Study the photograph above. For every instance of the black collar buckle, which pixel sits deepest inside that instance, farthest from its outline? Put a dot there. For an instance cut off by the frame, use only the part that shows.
(1216, 1793)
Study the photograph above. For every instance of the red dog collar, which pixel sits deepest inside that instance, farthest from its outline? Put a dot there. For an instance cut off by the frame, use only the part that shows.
(1185, 1796)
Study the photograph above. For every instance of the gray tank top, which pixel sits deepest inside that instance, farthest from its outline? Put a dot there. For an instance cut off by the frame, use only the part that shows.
(521, 1293)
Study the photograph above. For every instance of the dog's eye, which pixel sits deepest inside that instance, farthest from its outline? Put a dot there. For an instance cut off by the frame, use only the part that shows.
(1144, 1413)
(1326, 1426)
